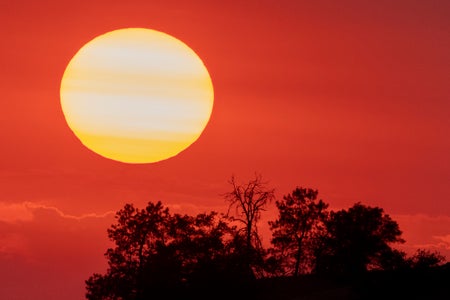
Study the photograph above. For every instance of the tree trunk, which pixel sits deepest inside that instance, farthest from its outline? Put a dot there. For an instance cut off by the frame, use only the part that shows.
(297, 257)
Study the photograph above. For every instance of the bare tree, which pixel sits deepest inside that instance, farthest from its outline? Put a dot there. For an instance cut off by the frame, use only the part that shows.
(249, 200)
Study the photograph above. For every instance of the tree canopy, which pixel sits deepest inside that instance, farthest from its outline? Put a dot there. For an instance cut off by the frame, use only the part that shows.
(356, 239)
(157, 251)
(300, 221)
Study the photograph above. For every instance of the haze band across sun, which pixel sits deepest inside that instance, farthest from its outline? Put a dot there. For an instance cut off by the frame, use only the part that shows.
(136, 95)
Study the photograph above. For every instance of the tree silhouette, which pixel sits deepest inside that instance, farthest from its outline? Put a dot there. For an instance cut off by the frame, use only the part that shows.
(424, 259)
(249, 200)
(355, 240)
(300, 220)
(138, 234)
(182, 256)
(156, 252)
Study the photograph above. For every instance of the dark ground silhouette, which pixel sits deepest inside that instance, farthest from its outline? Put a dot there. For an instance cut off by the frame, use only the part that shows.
(430, 284)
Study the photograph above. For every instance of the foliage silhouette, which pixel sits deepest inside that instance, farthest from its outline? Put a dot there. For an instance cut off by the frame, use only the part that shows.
(299, 223)
(425, 259)
(172, 256)
(355, 240)
(157, 252)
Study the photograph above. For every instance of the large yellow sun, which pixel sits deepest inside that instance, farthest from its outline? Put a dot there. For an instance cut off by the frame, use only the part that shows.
(136, 95)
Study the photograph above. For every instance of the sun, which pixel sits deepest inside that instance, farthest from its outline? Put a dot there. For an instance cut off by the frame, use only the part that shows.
(136, 95)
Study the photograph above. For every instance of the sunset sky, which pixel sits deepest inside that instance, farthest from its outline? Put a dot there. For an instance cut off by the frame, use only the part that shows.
(348, 97)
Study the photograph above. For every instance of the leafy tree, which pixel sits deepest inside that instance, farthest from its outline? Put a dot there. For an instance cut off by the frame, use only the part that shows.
(300, 220)
(249, 200)
(424, 259)
(355, 240)
(159, 252)
(138, 234)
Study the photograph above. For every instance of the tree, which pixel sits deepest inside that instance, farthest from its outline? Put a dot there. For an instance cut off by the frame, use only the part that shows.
(157, 252)
(425, 259)
(249, 200)
(355, 240)
(300, 220)
(137, 235)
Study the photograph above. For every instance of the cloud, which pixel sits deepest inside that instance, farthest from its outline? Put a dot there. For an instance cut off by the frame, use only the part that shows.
(26, 212)
(425, 232)
(42, 247)
(443, 242)
(37, 232)
(12, 212)
(444, 239)
(34, 206)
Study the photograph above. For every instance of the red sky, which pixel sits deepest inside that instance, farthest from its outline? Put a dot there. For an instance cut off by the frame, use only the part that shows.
(351, 98)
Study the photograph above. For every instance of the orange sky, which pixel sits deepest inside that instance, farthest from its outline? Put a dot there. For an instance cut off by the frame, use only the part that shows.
(351, 98)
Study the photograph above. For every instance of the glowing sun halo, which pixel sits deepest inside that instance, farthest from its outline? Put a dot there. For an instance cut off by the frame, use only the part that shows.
(136, 95)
